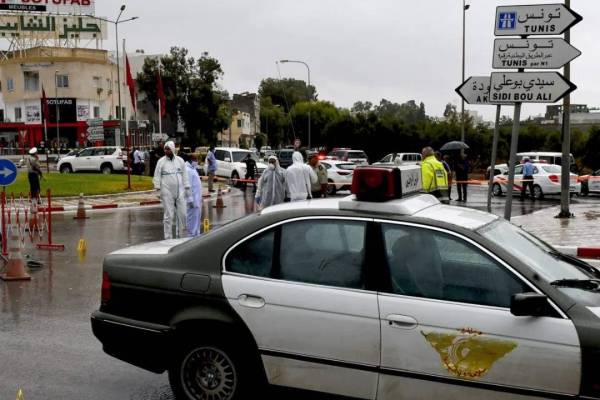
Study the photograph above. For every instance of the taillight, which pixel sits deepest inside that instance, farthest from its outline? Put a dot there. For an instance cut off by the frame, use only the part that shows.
(553, 178)
(105, 287)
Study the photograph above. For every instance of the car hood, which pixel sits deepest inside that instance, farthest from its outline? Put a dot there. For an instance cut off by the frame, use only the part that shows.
(152, 248)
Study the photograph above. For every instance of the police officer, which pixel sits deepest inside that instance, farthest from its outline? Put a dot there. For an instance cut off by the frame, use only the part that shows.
(434, 175)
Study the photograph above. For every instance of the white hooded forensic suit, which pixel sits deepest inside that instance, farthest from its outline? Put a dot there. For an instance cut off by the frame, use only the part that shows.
(271, 185)
(194, 201)
(171, 180)
(299, 178)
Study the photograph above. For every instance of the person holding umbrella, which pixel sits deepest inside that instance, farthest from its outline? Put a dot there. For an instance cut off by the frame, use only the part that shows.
(462, 169)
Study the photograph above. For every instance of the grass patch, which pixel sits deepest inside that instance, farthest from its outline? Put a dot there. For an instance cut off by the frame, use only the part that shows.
(65, 185)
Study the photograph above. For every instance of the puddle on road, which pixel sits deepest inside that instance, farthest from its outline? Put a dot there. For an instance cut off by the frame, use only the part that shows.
(592, 215)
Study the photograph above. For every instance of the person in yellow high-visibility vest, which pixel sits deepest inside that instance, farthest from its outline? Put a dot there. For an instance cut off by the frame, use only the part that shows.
(434, 175)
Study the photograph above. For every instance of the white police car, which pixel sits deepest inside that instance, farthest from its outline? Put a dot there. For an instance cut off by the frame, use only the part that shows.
(385, 295)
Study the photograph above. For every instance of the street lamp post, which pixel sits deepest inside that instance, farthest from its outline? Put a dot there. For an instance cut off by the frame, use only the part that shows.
(116, 24)
(462, 108)
(57, 112)
(310, 100)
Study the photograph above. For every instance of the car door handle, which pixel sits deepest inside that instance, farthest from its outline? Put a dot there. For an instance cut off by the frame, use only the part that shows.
(251, 301)
(402, 321)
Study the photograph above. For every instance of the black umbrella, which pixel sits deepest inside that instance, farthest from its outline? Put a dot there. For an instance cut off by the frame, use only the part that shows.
(456, 145)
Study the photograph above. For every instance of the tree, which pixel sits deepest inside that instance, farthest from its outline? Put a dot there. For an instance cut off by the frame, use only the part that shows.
(192, 92)
(286, 92)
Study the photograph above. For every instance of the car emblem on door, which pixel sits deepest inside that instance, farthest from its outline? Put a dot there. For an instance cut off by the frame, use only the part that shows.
(468, 353)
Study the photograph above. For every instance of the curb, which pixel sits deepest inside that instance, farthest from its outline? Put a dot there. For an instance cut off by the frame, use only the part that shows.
(581, 252)
(146, 203)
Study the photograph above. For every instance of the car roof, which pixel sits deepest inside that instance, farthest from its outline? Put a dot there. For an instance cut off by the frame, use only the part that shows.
(422, 206)
(232, 149)
(540, 153)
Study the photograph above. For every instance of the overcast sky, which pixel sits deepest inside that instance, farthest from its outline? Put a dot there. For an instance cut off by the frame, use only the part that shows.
(357, 49)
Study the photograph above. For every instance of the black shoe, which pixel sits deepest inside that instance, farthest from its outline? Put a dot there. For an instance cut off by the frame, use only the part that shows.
(212, 191)
(459, 200)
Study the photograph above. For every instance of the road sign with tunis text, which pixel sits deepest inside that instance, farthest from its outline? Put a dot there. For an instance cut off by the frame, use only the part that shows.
(539, 19)
(8, 172)
(539, 53)
(475, 90)
(528, 87)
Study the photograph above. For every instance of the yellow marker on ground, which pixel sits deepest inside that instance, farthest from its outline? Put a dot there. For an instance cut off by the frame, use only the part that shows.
(82, 246)
(206, 225)
(20, 395)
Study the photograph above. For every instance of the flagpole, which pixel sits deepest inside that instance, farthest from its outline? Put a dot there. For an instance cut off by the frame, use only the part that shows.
(128, 139)
(160, 105)
(46, 142)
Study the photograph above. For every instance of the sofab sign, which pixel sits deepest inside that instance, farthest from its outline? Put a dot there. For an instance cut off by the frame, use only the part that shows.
(77, 7)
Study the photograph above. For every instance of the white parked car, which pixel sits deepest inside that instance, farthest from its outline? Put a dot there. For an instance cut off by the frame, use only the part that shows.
(101, 159)
(546, 181)
(357, 157)
(230, 162)
(403, 159)
(339, 175)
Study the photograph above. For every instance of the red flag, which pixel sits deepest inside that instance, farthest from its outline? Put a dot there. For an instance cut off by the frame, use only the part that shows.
(130, 83)
(160, 92)
(45, 109)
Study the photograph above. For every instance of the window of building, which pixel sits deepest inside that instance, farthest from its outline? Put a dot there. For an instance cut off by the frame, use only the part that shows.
(97, 82)
(32, 81)
(240, 123)
(10, 84)
(109, 84)
(18, 114)
(96, 112)
(435, 265)
(62, 81)
(1, 115)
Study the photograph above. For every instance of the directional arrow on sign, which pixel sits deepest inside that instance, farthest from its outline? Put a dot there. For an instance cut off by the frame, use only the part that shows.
(6, 172)
(549, 53)
(539, 19)
(475, 90)
(528, 87)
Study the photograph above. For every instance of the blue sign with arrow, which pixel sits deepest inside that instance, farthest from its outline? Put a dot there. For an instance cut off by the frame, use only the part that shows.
(8, 172)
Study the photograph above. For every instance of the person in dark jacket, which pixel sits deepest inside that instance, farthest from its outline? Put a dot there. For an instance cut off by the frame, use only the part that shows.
(462, 169)
(251, 171)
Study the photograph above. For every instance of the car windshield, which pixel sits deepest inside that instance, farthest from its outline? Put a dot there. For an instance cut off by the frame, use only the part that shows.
(566, 273)
(357, 154)
(239, 156)
(347, 167)
(552, 169)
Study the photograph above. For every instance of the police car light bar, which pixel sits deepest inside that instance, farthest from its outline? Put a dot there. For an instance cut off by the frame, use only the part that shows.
(378, 184)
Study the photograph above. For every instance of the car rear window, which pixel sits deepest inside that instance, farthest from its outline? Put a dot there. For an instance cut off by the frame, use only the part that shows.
(357, 154)
(552, 169)
(347, 167)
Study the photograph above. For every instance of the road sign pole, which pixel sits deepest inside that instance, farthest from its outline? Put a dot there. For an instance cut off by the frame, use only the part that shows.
(512, 164)
(565, 197)
(494, 157)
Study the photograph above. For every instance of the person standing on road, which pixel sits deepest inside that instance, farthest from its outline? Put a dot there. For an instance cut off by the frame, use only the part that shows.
(138, 162)
(271, 185)
(194, 200)
(34, 174)
(251, 171)
(299, 179)
(528, 170)
(462, 169)
(319, 189)
(434, 176)
(173, 186)
(211, 167)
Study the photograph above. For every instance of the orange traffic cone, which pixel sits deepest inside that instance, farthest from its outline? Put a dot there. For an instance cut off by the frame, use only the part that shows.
(81, 214)
(220, 203)
(15, 268)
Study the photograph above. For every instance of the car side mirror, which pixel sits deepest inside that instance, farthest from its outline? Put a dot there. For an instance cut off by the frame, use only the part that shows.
(227, 159)
(528, 305)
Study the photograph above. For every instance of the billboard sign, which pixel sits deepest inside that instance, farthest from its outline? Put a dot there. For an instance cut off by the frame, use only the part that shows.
(48, 27)
(74, 7)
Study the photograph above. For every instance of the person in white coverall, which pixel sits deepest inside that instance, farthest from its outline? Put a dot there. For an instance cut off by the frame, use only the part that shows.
(194, 200)
(172, 183)
(299, 178)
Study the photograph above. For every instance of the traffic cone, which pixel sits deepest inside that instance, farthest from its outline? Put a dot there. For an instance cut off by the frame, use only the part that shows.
(15, 268)
(220, 203)
(81, 214)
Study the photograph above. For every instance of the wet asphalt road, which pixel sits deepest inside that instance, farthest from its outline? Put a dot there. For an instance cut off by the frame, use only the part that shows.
(46, 344)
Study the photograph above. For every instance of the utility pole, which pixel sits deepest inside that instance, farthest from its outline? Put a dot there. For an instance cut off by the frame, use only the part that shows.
(565, 196)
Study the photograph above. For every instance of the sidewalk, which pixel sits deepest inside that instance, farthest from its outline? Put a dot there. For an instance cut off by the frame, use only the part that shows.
(579, 236)
(122, 200)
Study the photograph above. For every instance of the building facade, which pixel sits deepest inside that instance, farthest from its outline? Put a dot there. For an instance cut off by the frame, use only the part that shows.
(241, 132)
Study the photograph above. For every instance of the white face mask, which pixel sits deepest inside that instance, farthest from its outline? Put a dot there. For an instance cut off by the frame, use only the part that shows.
(195, 164)
(271, 166)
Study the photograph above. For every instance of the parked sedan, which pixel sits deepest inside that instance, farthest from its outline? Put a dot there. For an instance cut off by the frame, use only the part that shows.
(339, 175)
(546, 181)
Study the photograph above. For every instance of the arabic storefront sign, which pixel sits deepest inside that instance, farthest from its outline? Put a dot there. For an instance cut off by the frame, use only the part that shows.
(549, 53)
(475, 90)
(45, 26)
(33, 114)
(528, 87)
(75, 7)
(539, 19)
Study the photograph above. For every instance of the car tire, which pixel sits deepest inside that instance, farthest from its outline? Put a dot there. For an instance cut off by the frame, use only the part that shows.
(538, 193)
(236, 183)
(106, 169)
(497, 190)
(66, 169)
(210, 370)
(331, 189)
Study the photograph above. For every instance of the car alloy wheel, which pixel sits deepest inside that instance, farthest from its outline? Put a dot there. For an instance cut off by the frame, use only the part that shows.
(538, 194)
(235, 179)
(65, 170)
(207, 373)
(497, 190)
(107, 170)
